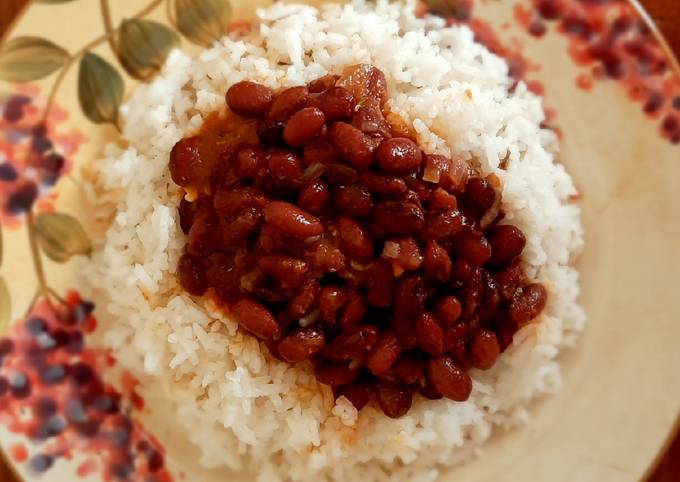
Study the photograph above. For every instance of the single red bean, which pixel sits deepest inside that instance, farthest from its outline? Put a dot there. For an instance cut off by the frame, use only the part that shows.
(289, 219)
(437, 263)
(250, 162)
(396, 217)
(473, 247)
(305, 298)
(186, 164)
(483, 350)
(428, 391)
(201, 236)
(304, 126)
(336, 103)
(354, 199)
(314, 196)
(191, 275)
(358, 393)
(510, 280)
(232, 201)
(479, 196)
(507, 243)
(353, 344)
(331, 299)
(405, 330)
(491, 296)
(187, 212)
(453, 336)
(356, 242)
(409, 368)
(385, 354)
(323, 83)
(335, 374)
(505, 333)
(379, 283)
(395, 399)
(409, 297)
(249, 98)
(441, 200)
(290, 272)
(449, 378)
(383, 184)
(242, 227)
(529, 304)
(434, 169)
(444, 224)
(366, 82)
(256, 319)
(285, 166)
(430, 334)
(288, 102)
(456, 347)
(448, 310)
(301, 344)
(353, 312)
(460, 270)
(471, 295)
(353, 145)
(399, 155)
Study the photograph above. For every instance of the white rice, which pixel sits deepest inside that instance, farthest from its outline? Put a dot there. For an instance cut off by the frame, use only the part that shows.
(246, 411)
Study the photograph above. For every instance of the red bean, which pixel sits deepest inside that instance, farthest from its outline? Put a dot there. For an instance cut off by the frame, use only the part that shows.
(444, 224)
(354, 199)
(331, 299)
(353, 145)
(448, 310)
(241, 228)
(409, 297)
(251, 162)
(395, 399)
(407, 258)
(249, 98)
(474, 248)
(320, 151)
(430, 334)
(231, 201)
(449, 378)
(507, 243)
(405, 330)
(290, 272)
(288, 102)
(396, 217)
(323, 83)
(305, 298)
(314, 196)
(379, 283)
(484, 349)
(187, 212)
(356, 241)
(336, 103)
(509, 281)
(335, 373)
(270, 132)
(353, 344)
(479, 196)
(385, 354)
(437, 263)
(353, 312)
(366, 82)
(256, 319)
(409, 368)
(370, 121)
(428, 391)
(186, 163)
(358, 393)
(285, 167)
(399, 156)
(201, 237)
(460, 270)
(529, 304)
(290, 219)
(301, 344)
(191, 275)
(339, 174)
(383, 184)
(304, 126)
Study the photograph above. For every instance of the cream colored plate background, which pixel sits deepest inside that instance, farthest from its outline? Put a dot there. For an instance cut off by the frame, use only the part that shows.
(622, 381)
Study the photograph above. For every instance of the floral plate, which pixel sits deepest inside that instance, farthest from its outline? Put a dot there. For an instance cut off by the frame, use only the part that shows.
(611, 91)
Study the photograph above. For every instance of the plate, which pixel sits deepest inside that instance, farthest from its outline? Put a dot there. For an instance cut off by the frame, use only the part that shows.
(616, 105)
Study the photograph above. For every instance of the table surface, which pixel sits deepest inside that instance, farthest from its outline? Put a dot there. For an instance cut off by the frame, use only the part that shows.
(666, 13)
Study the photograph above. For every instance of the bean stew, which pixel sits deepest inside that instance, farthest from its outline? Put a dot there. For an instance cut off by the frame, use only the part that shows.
(316, 220)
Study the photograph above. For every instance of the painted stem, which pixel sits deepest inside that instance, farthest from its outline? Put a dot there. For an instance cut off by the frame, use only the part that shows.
(108, 26)
(43, 289)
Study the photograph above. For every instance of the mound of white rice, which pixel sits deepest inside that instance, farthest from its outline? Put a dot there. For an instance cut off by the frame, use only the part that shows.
(246, 411)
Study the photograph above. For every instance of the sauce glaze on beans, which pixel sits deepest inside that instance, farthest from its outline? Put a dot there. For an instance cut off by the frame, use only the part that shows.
(328, 234)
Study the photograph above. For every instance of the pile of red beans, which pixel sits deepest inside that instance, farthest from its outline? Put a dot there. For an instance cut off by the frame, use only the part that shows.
(327, 232)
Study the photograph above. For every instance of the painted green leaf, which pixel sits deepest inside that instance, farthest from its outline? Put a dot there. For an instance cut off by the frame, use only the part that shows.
(61, 236)
(5, 306)
(100, 89)
(203, 21)
(143, 47)
(23, 59)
